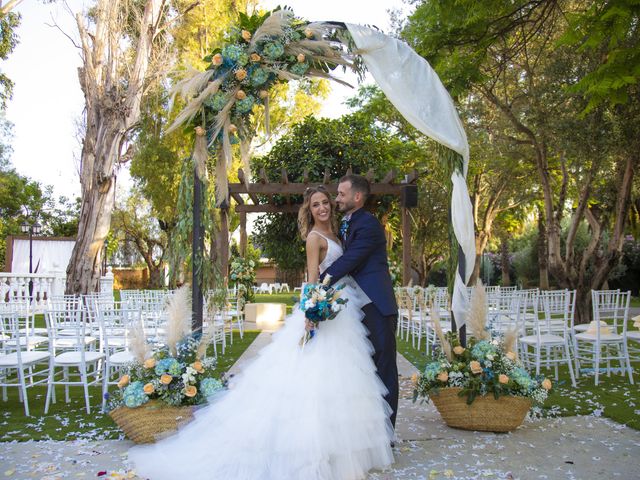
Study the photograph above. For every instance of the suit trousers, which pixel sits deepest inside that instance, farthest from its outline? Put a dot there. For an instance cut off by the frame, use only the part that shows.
(382, 335)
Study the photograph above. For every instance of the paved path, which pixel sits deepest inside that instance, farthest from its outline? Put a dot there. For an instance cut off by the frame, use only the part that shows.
(562, 448)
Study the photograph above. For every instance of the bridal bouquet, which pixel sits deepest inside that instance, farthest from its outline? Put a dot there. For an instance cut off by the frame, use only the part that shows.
(320, 302)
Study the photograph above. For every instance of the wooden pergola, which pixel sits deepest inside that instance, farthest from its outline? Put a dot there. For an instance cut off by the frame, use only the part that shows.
(261, 195)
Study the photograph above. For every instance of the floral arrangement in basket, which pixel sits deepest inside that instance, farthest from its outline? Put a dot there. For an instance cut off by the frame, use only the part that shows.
(487, 366)
(243, 276)
(320, 302)
(178, 373)
(260, 51)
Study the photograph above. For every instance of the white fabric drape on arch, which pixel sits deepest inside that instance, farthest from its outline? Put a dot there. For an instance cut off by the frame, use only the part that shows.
(415, 90)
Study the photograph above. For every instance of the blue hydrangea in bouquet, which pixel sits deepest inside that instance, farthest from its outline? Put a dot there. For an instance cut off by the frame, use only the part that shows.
(320, 302)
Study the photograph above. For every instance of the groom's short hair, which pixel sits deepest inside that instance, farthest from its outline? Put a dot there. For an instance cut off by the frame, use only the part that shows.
(358, 183)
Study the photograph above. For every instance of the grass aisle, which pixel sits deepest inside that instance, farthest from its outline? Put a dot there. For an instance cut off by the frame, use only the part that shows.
(70, 421)
(614, 397)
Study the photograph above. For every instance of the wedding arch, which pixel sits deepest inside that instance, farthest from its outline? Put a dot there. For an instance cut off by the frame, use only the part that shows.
(275, 47)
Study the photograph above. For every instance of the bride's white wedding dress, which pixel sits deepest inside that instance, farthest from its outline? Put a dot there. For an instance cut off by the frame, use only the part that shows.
(312, 413)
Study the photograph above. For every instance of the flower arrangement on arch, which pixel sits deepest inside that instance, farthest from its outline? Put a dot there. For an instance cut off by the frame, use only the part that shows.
(486, 366)
(259, 52)
(178, 373)
(242, 275)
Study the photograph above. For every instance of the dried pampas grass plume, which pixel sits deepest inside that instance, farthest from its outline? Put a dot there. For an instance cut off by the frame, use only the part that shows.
(207, 335)
(510, 338)
(138, 341)
(446, 346)
(477, 317)
(179, 313)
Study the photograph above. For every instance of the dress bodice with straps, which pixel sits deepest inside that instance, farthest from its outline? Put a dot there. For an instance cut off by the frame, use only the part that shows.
(334, 251)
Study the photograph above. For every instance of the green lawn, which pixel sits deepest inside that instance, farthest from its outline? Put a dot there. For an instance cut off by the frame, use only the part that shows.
(289, 298)
(635, 301)
(614, 397)
(69, 421)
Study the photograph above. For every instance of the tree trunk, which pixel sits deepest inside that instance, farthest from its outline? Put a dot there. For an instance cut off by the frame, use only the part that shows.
(583, 312)
(112, 107)
(542, 252)
(504, 262)
(156, 274)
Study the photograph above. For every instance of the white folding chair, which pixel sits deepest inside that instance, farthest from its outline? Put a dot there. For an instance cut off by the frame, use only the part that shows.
(71, 363)
(605, 339)
(116, 327)
(18, 363)
(549, 344)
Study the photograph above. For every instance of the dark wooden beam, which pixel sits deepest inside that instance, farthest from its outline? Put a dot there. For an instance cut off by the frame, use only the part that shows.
(406, 246)
(369, 175)
(411, 177)
(388, 178)
(327, 176)
(285, 177)
(243, 233)
(239, 200)
(267, 208)
(299, 188)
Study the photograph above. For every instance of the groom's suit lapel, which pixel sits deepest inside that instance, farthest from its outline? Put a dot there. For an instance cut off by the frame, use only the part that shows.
(355, 217)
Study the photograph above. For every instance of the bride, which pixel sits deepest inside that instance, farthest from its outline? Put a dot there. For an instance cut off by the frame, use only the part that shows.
(313, 413)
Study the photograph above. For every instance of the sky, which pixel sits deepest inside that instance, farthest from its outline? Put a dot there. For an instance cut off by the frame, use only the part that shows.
(47, 100)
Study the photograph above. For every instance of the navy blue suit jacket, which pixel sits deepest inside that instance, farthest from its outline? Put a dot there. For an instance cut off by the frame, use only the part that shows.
(365, 259)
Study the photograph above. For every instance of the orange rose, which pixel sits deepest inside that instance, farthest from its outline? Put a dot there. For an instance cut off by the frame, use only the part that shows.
(300, 57)
(190, 391)
(148, 389)
(124, 381)
(308, 33)
(241, 74)
(246, 35)
(240, 95)
(511, 356)
(217, 59)
(458, 350)
(166, 379)
(254, 57)
(443, 376)
(150, 362)
(200, 131)
(232, 129)
(263, 94)
(502, 378)
(197, 366)
(546, 384)
(414, 378)
(475, 367)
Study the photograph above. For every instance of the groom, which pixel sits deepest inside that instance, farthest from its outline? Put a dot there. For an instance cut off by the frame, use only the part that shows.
(365, 259)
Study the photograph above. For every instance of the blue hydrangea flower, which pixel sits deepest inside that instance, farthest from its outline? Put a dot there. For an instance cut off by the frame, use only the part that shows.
(300, 68)
(273, 50)
(483, 348)
(209, 386)
(246, 104)
(216, 101)
(168, 365)
(236, 54)
(259, 76)
(134, 396)
(432, 370)
(522, 378)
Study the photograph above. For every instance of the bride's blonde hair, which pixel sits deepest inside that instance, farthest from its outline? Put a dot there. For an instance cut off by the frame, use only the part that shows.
(305, 219)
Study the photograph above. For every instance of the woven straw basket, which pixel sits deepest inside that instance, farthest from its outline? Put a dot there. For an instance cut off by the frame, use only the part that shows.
(151, 421)
(485, 413)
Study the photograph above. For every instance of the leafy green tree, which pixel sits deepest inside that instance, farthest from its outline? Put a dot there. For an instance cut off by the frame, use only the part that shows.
(133, 221)
(515, 55)
(9, 22)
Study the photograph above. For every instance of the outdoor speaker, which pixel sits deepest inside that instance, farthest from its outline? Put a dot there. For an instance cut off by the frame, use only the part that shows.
(409, 196)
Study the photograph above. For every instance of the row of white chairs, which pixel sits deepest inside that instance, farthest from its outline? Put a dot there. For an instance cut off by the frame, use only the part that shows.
(85, 342)
(545, 324)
